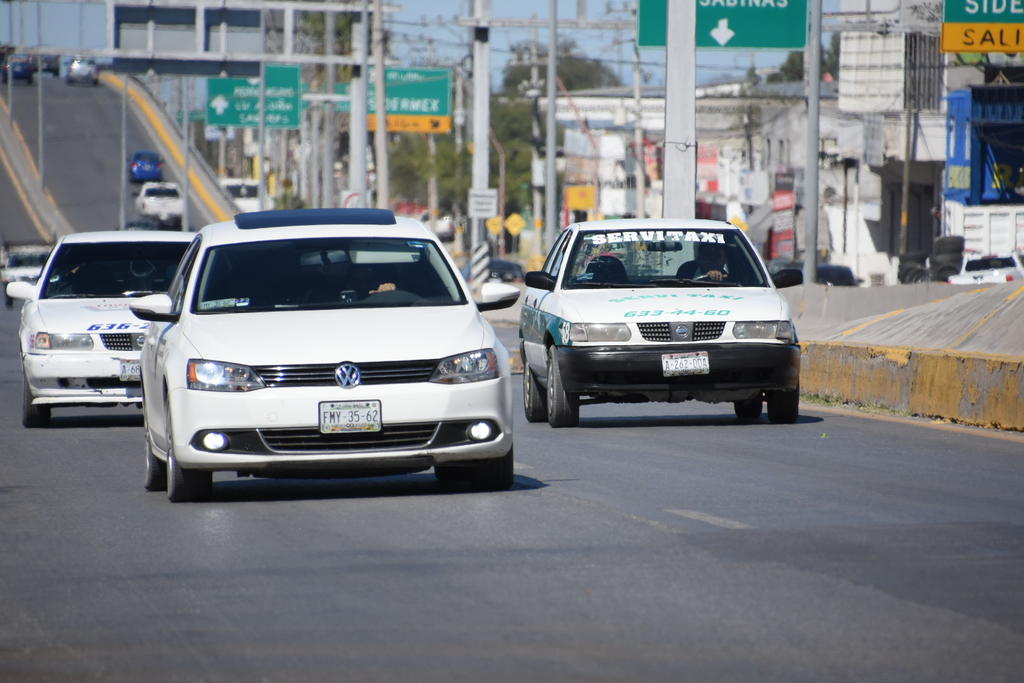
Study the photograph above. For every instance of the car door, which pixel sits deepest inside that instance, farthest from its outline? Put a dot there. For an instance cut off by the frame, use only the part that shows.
(154, 350)
(537, 307)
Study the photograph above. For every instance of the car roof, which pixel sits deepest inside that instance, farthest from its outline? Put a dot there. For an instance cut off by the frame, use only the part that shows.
(157, 183)
(620, 224)
(318, 224)
(127, 236)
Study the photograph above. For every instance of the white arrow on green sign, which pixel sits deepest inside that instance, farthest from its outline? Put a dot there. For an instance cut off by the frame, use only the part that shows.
(234, 102)
(731, 24)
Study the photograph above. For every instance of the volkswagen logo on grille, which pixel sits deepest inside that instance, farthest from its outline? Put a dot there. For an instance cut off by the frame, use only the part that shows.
(347, 375)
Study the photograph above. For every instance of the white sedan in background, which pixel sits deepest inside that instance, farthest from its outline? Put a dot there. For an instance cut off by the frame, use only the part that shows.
(990, 269)
(162, 201)
(323, 342)
(79, 342)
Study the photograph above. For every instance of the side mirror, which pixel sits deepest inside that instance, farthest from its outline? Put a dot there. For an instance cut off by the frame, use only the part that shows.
(155, 308)
(21, 290)
(540, 280)
(497, 295)
(788, 277)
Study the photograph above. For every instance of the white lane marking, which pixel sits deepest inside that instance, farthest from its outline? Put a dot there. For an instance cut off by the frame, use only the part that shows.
(710, 519)
(521, 466)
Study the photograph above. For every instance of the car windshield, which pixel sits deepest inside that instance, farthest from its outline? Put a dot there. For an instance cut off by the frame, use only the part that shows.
(147, 158)
(321, 273)
(242, 190)
(26, 260)
(662, 258)
(988, 263)
(102, 269)
(161, 192)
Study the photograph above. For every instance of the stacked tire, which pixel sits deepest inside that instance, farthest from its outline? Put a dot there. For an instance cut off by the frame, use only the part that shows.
(913, 267)
(947, 257)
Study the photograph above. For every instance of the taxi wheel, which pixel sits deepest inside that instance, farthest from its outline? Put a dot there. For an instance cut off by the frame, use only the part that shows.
(156, 471)
(184, 485)
(33, 416)
(749, 409)
(784, 406)
(534, 403)
(495, 474)
(563, 408)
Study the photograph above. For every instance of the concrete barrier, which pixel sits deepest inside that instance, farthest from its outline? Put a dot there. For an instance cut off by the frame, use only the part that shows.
(972, 388)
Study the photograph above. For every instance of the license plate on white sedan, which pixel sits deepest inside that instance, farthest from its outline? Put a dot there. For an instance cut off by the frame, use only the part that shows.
(131, 371)
(692, 363)
(349, 416)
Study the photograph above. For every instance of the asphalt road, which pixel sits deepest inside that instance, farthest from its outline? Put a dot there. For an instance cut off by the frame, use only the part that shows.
(82, 165)
(654, 542)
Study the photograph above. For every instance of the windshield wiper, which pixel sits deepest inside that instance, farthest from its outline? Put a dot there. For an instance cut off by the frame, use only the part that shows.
(691, 282)
(603, 285)
(140, 292)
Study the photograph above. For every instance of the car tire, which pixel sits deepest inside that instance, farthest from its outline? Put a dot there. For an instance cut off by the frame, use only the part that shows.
(449, 473)
(33, 416)
(749, 409)
(156, 470)
(563, 408)
(783, 406)
(8, 302)
(534, 400)
(185, 485)
(494, 474)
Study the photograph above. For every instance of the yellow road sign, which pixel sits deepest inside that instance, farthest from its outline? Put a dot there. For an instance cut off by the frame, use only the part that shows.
(515, 224)
(581, 197)
(964, 37)
(494, 225)
(413, 123)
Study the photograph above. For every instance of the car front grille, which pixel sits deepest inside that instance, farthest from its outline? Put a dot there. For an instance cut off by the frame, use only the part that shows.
(121, 341)
(400, 372)
(702, 331)
(402, 436)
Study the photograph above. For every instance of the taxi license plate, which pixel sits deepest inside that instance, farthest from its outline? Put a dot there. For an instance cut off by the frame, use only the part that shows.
(131, 371)
(693, 363)
(349, 416)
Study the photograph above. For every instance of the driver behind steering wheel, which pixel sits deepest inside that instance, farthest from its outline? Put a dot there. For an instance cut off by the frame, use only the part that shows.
(709, 264)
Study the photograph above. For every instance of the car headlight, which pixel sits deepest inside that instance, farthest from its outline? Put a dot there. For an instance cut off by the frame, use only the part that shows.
(765, 329)
(599, 332)
(211, 375)
(474, 366)
(61, 342)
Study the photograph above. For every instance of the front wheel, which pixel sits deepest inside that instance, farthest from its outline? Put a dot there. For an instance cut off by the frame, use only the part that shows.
(534, 403)
(563, 408)
(495, 474)
(784, 406)
(33, 416)
(184, 485)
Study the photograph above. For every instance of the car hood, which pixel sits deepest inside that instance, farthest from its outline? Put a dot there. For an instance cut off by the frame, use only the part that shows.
(649, 305)
(87, 315)
(331, 336)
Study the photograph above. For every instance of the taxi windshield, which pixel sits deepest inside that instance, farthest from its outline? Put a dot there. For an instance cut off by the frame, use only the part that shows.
(321, 273)
(109, 269)
(662, 258)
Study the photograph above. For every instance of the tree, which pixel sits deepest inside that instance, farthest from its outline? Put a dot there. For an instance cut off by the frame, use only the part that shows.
(793, 68)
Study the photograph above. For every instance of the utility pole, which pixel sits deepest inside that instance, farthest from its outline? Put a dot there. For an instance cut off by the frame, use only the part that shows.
(534, 94)
(812, 64)
(381, 136)
(680, 193)
(638, 136)
(357, 110)
(328, 192)
(551, 175)
(481, 110)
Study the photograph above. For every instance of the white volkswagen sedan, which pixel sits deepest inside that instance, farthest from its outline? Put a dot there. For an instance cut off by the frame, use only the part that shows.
(323, 342)
(79, 342)
(637, 310)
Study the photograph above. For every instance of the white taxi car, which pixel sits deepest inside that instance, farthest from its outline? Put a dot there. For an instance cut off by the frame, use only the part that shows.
(323, 342)
(79, 342)
(657, 310)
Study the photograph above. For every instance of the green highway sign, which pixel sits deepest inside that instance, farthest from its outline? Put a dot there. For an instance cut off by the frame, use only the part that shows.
(729, 24)
(424, 92)
(235, 101)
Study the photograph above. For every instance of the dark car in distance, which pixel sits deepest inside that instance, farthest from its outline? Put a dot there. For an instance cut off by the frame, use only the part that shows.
(145, 166)
(826, 273)
(20, 68)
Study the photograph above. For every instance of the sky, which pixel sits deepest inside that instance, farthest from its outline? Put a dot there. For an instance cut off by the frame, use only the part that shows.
(424, 31)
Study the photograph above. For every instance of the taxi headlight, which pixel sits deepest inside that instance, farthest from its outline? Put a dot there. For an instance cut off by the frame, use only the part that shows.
(211, 375)
(475, 366)
(765, 329)
(599, 332)
(61, 342)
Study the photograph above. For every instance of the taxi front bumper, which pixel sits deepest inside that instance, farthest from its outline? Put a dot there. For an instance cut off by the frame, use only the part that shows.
(70, 378)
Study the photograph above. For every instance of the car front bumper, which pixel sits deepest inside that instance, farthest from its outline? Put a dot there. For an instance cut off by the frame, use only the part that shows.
(70, 378)
(276, 430)
(734, 368)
